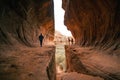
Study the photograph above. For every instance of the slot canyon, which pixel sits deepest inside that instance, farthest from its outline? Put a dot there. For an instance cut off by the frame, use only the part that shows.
(94, 24)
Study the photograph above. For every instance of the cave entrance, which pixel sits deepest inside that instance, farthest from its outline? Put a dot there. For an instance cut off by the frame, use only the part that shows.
(61, 36)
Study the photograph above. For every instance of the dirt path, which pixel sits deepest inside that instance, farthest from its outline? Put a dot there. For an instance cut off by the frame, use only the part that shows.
(26, 64)
(76, 76)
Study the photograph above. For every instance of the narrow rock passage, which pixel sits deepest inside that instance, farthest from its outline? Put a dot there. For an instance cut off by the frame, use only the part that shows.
(61, 67)
(60, 61)
(60, 58)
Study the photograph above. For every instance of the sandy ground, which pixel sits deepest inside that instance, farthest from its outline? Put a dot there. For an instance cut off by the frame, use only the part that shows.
(25, 63)
(76, 76)
(31, 63)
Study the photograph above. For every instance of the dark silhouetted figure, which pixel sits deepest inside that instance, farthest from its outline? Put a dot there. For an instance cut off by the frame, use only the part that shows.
(68, 40)
(71, 40)
(41, 37)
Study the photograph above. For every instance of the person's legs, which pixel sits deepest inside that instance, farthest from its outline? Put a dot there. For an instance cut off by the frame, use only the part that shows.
(41, 43)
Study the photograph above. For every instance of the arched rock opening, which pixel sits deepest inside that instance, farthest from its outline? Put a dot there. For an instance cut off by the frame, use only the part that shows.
(22, 21)
(92, 23)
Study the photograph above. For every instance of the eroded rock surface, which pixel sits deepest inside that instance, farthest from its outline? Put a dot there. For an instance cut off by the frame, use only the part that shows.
(94, 23)
(77, 76)
(93, 62)
(28, 64)
(21, 21)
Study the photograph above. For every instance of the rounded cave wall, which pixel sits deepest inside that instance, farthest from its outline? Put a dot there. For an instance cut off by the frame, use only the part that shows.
(94, 23)
(21, 21)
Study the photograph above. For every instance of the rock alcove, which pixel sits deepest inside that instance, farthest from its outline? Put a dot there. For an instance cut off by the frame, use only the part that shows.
(95, 26)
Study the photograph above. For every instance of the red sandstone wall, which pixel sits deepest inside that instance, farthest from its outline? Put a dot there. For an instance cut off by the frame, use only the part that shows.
(21, 21)
(94, 23)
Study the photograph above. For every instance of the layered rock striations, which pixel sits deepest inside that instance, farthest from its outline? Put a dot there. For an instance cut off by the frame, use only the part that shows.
(94, 23)
(92, 62)
(21, 21)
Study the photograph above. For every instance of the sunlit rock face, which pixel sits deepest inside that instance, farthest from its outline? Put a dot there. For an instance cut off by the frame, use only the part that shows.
(94, 23)
(21, 21)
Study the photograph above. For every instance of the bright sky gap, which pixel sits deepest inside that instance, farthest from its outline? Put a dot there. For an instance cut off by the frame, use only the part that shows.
(59, 18)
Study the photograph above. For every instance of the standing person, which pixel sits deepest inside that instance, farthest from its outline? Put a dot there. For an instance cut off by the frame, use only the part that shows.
(41, 37)
(68, 40)
(71, 40)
